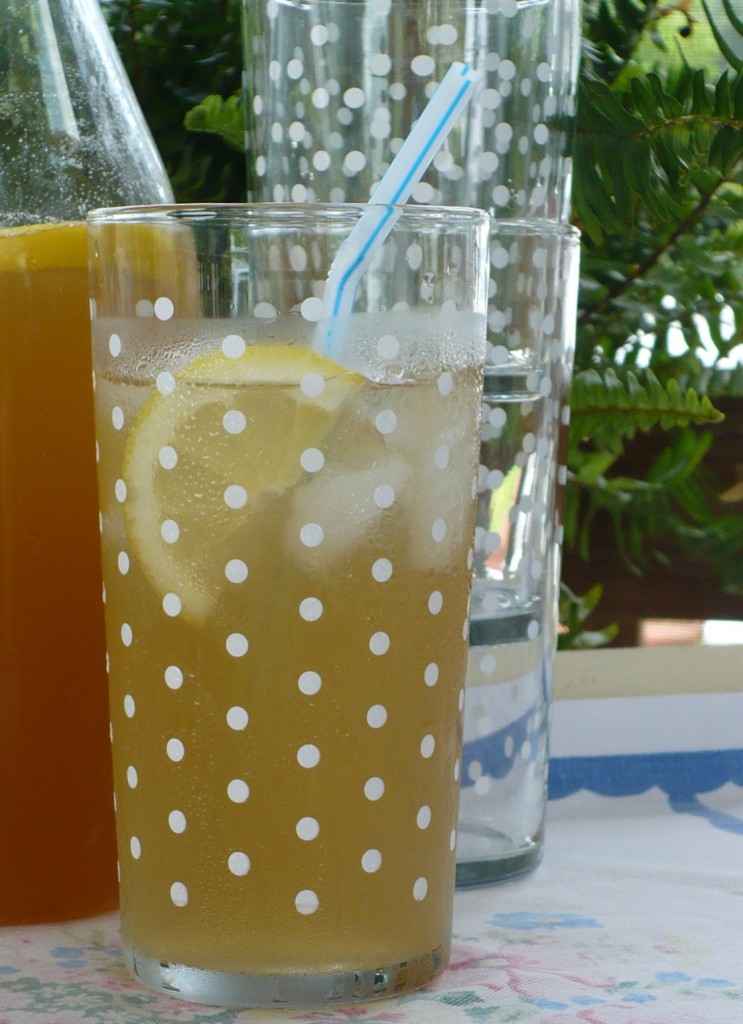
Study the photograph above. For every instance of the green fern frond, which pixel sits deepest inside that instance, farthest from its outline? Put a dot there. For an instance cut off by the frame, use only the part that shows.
(610, 409)
(218, 116)
(671, 501)
(574, 610)
(735, 20)
(654, 149)
(658, 195)
(726, 49)
(612, 30)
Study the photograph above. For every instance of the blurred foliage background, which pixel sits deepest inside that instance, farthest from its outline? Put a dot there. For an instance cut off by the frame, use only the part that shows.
(658, 194)
(184, 59)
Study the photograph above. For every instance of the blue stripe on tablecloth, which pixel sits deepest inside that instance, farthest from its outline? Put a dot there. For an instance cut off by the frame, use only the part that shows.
(682, 776)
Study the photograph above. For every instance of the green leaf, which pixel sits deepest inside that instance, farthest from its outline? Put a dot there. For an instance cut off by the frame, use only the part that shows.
(701, 100)
(730, 55)
(574, 609)
(735, 21)
(727, 148)
(219, 117)
(610, 409)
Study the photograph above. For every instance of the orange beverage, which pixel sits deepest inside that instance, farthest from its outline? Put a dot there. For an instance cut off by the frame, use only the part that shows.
(287, 514)
(57, 844)
(286, 765)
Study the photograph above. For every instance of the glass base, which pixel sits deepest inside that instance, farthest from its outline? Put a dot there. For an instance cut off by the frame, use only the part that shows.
(505, 860)
(223, 988)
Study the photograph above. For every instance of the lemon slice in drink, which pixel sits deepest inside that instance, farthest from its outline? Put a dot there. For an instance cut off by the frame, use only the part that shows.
(209, 447)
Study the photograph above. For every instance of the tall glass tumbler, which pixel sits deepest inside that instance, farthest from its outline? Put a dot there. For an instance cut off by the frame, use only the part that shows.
(287, 508)
(333, 87)
(534, 268)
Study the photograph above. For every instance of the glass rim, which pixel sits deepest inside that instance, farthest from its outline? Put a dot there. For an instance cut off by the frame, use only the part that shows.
(287, 213)
(534, 227)
(467, 4)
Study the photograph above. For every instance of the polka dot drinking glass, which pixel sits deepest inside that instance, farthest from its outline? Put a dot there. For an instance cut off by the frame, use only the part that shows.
(531, 337)
(287, 514)
(333, 86)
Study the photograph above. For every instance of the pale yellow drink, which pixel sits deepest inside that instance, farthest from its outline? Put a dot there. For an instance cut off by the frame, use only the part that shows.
(277, 812)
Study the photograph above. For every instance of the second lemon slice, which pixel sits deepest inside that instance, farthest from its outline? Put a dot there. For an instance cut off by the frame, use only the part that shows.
(210, 444)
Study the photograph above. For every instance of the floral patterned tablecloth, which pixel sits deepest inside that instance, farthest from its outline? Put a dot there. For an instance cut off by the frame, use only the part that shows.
(634, 917)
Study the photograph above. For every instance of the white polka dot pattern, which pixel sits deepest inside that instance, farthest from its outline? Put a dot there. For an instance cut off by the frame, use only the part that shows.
(234, 421)
(306, 901)
(177, 822)
(526, 52)
(310, 609)
(238, 863)
(164, 308)
(237, 645)
(238, 791)
(309, 683)
(505, 732)
(379, 643)
(236, 570)
(311, 535)
(173, 677)
(308, 755)
(382, 570)
(376, 716)
(308, 828)
(371, 861)
(165, 383)
(374, 789)
(237, 718)
(312, 460)
(386, 421)
(207, 700)
(233, 346)
(179, 894)
(420, 889)
(175, 749)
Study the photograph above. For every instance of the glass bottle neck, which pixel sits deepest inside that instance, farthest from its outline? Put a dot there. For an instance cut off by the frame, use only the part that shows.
(72, 136)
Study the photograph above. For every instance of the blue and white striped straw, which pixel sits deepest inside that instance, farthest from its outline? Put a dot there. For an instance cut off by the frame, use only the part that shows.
(416, 153)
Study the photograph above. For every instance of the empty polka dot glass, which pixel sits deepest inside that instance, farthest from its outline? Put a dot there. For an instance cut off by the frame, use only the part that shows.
(333, 87)
(531, 336)
(287, 515)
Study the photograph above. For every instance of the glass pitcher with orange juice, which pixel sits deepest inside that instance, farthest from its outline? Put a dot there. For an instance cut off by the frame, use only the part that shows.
(72, 137)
